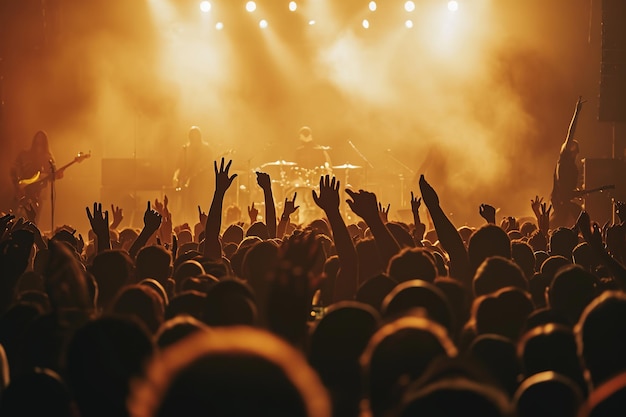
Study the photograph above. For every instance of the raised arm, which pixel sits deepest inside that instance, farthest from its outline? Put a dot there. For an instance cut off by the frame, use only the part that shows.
(289, 207)
(364, 204)
(449, 237)
(100, 225)
(572, 126)
(419, 228)
(593, 236)
(265, 183)
(328, 200)
(151, 223)
(212, 246)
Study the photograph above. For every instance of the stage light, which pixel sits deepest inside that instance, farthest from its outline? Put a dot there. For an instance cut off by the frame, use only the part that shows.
(409, 6)
(293, 6)
(311, 22)
(372, 6)
(263, 23)
(365, 23)
(408, 24)
(205, 6)
(219, 26)
(250, 6)
(453, 6)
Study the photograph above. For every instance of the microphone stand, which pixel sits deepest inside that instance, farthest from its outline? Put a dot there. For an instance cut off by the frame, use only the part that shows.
(52, 193)
(403, 165)
(358, 152)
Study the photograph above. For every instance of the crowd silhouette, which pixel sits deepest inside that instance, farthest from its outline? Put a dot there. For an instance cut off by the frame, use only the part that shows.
(375, 318)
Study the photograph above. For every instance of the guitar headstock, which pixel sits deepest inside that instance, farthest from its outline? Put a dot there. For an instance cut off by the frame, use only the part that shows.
(81, 156)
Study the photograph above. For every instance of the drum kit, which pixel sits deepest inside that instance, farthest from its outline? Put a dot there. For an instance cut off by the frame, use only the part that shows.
(289, 178)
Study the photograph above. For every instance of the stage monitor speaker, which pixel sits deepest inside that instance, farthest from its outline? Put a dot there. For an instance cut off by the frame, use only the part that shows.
(600, 172)
(131, 174)
(613, 66)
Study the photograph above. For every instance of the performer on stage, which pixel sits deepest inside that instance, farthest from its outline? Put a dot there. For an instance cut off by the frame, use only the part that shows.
(309, 154)
(193, 177)
(31, 173)
(564, 190)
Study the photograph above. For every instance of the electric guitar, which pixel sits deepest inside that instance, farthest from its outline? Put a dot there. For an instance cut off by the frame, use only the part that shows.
(582, 193)
(29, 187)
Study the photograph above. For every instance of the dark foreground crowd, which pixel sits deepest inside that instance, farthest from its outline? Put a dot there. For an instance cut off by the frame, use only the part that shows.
(273, 318)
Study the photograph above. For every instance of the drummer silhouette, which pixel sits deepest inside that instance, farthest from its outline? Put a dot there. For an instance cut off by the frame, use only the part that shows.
(309, 154)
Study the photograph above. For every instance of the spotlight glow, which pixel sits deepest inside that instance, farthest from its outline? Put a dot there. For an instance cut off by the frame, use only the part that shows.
(219, 26)
(250, 6)
(205, 6)
(311, 22)
(453, 6)
(293, 6)
(365, 23)
(263, 23)
(408, 24)
(409, 6)
(372, 6)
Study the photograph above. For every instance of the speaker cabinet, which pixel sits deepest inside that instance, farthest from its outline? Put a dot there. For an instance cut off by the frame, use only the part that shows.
(613, 65)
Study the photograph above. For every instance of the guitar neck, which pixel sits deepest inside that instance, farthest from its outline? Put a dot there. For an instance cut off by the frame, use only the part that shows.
(69, 164)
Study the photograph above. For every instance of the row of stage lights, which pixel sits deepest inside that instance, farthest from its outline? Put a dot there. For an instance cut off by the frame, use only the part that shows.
(409, 6)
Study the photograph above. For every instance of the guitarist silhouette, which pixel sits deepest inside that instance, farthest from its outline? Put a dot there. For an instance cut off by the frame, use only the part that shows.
(33, 169)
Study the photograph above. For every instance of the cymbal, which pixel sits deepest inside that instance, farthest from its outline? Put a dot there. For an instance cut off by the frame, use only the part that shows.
(347, 166)
(279, 163)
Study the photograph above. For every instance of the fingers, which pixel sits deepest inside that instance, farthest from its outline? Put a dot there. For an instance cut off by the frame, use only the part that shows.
(148, 209)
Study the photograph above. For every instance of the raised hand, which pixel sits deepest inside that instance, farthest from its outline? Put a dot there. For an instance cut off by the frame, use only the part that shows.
(543, 219)
(80, 244)
(99, 221)
(158, 206)
(416, 203)
(509, 223)
(100, 225)
(202, 216)
(328, 198)
(428, 193)
(264, 180)
(118, 216)
(383, 213)
(222, 178)
(165, 230)
(536, 205)
(488, 213)
(151, 219)
(363, 204)
(253, 213)
(290, 206)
